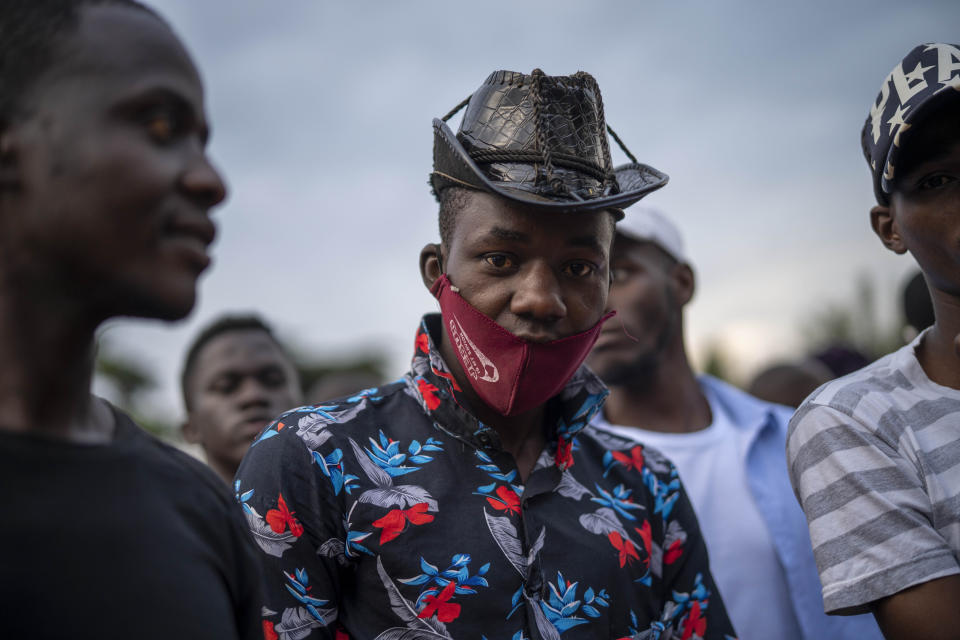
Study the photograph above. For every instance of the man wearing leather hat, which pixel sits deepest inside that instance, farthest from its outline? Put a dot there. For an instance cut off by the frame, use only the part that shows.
(471, 498)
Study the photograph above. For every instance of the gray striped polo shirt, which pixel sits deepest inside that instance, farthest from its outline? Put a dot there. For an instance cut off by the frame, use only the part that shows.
(874, 458)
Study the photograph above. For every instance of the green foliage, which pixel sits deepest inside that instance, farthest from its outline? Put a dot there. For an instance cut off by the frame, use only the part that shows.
(131, 379)
(128, 376)
(715, 362)
(855, 323)
(313, 369)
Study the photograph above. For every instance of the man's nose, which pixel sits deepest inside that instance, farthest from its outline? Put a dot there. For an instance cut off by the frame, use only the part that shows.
(538, 294)
(251, 392)
(202, 182)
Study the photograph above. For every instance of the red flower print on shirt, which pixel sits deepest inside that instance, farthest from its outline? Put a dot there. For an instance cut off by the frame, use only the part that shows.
(422, 342)
(281, 517)
(341, 635)
(628, 553)
(631, 460)
(439, 605)
(509, 500)
(393, 524)
(564, 457)
(673, 552)
(694, 624)
(646, 536)
(446, 376)
(268, 631)
(429, 393)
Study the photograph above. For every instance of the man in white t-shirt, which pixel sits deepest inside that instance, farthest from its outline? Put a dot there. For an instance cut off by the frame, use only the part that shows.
(875, 456)
(726, 444)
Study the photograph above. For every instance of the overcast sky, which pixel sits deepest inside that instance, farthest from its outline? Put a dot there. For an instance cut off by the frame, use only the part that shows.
(322, 126)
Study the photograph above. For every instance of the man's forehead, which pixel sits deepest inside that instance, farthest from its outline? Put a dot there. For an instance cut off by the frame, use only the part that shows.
(586, 239)
(624, 245)
(236, 346)
(487, 216)
(112, 41)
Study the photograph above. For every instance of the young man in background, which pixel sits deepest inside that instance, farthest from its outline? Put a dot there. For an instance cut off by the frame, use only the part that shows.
(727, 445)
(236, 378)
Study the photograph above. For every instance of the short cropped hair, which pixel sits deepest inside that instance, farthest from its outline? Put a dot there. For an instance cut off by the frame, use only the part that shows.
(452, 202)
(223, 324)
(29, 31)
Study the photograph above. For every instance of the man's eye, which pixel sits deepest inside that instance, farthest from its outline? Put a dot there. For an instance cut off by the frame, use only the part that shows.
(224, 385)
(272, 378)
(161, 125)
(935, 182)
(620, 273)
(498, 261)
(579, 269)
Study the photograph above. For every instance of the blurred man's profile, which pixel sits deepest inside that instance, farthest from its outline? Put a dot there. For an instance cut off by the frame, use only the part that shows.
(105, 195)
(788, 383)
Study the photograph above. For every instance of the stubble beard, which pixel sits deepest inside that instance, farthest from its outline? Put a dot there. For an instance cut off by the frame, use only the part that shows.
(640, 373)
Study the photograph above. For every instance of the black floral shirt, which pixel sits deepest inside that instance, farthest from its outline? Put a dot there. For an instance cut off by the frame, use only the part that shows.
(395, 515)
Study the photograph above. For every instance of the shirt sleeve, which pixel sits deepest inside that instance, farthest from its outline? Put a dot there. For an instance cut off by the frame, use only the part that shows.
(870, 519)
(296, 524)
(694, 607)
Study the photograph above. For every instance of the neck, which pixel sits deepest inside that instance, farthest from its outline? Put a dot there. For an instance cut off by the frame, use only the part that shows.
(46, 351)
(939, 353)
(226, 470)
(521, 435)
(669, 400)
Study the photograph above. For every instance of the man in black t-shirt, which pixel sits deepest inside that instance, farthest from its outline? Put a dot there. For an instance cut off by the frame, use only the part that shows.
(105, 191)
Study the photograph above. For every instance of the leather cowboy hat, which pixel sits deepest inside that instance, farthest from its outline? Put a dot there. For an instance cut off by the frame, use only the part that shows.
(540, 141)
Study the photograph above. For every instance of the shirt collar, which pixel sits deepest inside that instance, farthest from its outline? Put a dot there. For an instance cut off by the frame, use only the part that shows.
(744, 411)
(433, 385)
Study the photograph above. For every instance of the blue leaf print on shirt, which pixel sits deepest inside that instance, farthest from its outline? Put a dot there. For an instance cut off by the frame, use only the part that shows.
(620, 500)
(665, 493)
(562, 604)
(242, 498)
(387, 455)
(457, 572)
(299, 587)
(332, 467)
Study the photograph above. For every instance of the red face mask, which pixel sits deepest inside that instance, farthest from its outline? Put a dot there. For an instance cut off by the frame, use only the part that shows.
(510, 374)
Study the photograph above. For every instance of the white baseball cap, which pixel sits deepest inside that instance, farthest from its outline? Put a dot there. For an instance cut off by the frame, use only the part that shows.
(647, 224)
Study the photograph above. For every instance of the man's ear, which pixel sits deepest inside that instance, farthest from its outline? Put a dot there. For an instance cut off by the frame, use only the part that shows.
(885, 226)
(684, 282)
(431, 264)
(190, 432)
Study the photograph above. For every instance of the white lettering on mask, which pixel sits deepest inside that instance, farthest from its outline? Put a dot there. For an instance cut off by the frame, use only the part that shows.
(470, 355)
